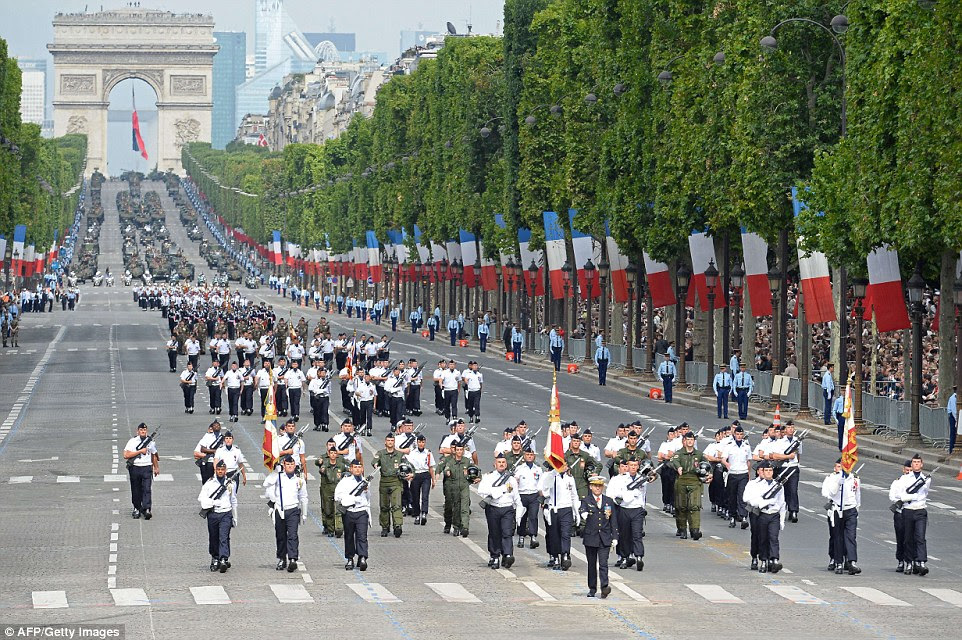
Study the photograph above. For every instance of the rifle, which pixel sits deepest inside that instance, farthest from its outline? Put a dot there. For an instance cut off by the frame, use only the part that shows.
(644, 478)
(834, 512)
(412, 437)
(915, 487)
(295, 437)
(200, 462)
(529, 439)
(361, 487)
(220, 491)
(792, 448)
(507, 473)
(466, 438)
(779, 482)
(143, 445)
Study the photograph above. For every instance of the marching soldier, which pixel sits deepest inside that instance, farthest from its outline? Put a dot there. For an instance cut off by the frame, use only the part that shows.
(233, 381)
(528, 476)
(768, 503)
(561, 515)
(628, 491)
(502, 507)
(912, 493)
(665, 451)
(600, 529)
(172, 346)
(188, 384)
(293, 447)
(414, 379)
(844, 494)
(736, 460)
(693, 472)
(294, 379)
(264, 380)
(140, 452)
(247, 391)
(221, 502)
(330, 471)
(353, 494)
(280, 386)
(287, 498)
(459, 474)
(900, 552)
(347, 443)
(387, 461)
(577, 463)
(473, 381)
(233, 458)
(215, 382)
(319, 390)
(422, 462)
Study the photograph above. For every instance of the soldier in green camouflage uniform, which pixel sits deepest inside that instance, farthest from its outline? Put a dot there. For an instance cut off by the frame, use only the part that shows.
(688, 488)
(330, 470)
(632, 448)
(457, 493)
(389, 487)
(515, 455)
(577, 459)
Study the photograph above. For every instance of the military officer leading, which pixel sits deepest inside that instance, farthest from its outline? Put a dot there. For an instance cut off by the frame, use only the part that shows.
(422, 462)
(600, 530)
(502, 510)
(140, 452)
(353, 495)
(220, 500)
(287, 498)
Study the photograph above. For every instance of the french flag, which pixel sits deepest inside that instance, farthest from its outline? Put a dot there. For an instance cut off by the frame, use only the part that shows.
(3, 250)
(489, 273)
(585, 249)
(659, 282)
(359, 255)
(293, 251)
(816, 278)
(557, 253)
(453, 248)
(755, 250)
(618, 263)
(53, 246)
(702, 253)
(18, 256)
(535, 286)
(277, 254)
(29, 261)
(438, 253)
(39, 259)
(424, 251)
(137, 140)
(884, 295)
(374, 257)
(469, 251)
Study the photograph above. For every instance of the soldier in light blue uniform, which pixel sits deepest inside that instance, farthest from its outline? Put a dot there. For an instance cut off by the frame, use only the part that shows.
(556, 343)
(602, 357)
(722, 386)
(483, 332)
(666, 372)
(744, 386)
(517, 343)
(828, 391)
(453, 328)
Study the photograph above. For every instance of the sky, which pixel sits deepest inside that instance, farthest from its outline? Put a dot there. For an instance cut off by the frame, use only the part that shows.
(26, 25)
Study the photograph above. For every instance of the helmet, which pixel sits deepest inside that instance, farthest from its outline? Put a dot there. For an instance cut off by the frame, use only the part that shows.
(591, 469)
(703, 470)
(473, 473)
(405, 469)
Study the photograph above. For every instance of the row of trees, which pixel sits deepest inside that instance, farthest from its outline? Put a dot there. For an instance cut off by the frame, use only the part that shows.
(35, 173)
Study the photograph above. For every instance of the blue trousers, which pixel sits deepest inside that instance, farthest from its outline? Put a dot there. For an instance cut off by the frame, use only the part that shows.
(517, 352)
(741, 396)
(393, 324)
(218, 534)
(556, 357)
(827, 414)
(602, 371)
(953, 428)
(454, 335)
(484, 342)
(431, 330)
(667, 381)
(340, 307)
(840, 419)
(722, 398)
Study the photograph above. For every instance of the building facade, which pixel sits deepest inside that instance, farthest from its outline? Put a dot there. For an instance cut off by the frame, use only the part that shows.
(33, 95)
(229, 73)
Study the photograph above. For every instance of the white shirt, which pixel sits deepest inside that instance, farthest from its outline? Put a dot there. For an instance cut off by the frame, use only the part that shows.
(341, 439)
(263, 378)
(592, 450)
(190, 377)
(342, 494)
(528, 477)
(143, 460)
(912, 501)
(754, 495)
(192, 347)
(502, 447)
(421, 460)
(782, 444)
(615, 445)
(473, 379)
(667, 449)
(559, 491)
(845, 494)
(295, 351)
(437, 375)
(223, 504)
(450, 379)
(506, 495)
(232, 457)
(632, 498)
(365, 391)
(765, 447)
(223, 347)
(233, 379)
(394, 386)
(206, 440)
(294, 378)
(319, 387)
(737, 456)
(286, 492)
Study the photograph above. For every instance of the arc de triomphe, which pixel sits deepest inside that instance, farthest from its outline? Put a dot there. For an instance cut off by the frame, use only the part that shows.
(173, 53)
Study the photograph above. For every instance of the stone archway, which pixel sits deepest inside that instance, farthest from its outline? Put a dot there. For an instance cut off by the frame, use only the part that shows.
(173, 53)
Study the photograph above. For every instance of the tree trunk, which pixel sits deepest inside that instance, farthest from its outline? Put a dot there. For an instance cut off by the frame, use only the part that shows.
(947, 349)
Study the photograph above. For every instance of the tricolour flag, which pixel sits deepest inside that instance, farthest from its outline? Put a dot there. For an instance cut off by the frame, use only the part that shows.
(884, 296)
(618, 263)
(18, 248)
(849, 443)
(277, 253)
(557, 253)
(534, 285)
(659, 282)
(702, 254)
(270, 445)
(374, 257)
(489, 272)
(469, 253)
(585, 249)
(554, 451)
(3, 250)
(815, 277)
(29, 261)
(756, 273)
(138, 142)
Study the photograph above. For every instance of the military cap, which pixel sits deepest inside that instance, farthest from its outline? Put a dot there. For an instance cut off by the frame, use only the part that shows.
(221, 463)
(596, 480)
(764, 464)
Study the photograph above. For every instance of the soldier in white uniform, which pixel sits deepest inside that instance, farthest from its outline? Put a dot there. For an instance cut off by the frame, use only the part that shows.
(233, 381)
(844, 494)
(528, 476)
(561, 514)
(140, 452)
(287, 498)
(473, 381)
(500, 492)
(353, 494)
(221, 502)
(188, 384)
(319, 390)
(295, 381)
(768, 503)
(232, 457)
(912, 493)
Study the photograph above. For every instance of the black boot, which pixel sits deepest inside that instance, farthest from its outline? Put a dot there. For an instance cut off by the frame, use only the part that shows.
(397, 531)
(565, 561)
(362, 564)
(696, 534)
(349, 565)
(508, 561)
(754, 566)
(214, 562)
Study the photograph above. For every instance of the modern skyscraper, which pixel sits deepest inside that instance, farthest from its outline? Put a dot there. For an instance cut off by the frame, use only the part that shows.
(229, 70)
(33, 92)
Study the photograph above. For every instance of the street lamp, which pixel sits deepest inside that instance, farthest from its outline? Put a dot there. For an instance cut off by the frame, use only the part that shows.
(711, 280)
(682, 280)
(631, 275)
(566, 274)
(589, 278)
(915, 286)
(738, 280)
(859, 288)
(604, 270)
(774, 285)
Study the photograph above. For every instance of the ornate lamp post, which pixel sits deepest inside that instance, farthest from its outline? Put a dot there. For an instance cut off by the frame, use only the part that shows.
(566, 273)
(589, 278)
(738, 280)
(915, 286)
(859, 287)
(711, 280)
(604, 269)
(631, 275)
(682, 280)
(774, 285)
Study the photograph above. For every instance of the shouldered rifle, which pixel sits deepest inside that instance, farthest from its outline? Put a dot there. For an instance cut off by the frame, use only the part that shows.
(363, 485)
(295, 437)
(200, 462)
(417, 371)
(411, 437)
(325, 383)
(144, 443)
(529, 439)
(646, 477)
(466, 438)
(779, 482)
(912, 489)
(507, 474)
(797, 442)
(220, 491)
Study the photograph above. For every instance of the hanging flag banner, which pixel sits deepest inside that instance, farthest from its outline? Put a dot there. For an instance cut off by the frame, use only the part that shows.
(374, 257)
(533, 283)
(585, 248)
(659, 282)
(702, 254)
(618, 264)
(556, 252)
(755, 250)
(884, 296)
(815, 277)
(138, 141)
(469, 250)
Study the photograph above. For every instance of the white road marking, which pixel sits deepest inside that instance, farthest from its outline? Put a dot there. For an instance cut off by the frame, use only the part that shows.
(49, 600)
(214, 594)
(876, 597)
(941, 505)
(796, 595)
(631, 593)
(373, 592)
(291, 594)
(21, 479)
(536, 589)
(62, 479)
(129, 597)
(946, 595)
(715, 594)
(453, 592)
(164, 477)
(114, 478)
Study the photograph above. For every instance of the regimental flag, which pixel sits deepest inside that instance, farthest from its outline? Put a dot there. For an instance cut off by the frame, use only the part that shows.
(554, 451)
(755, 250)
(351, 355)
(270, 446)
(849, 446)
(138, 142)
